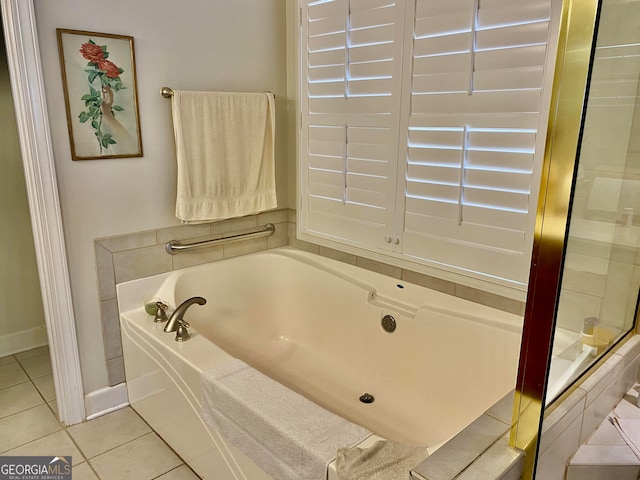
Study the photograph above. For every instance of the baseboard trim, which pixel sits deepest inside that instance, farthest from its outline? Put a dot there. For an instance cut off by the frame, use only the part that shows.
(24, 340)
(106, 400)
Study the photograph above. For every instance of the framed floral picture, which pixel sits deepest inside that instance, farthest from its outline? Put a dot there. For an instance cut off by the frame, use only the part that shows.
(101, 99)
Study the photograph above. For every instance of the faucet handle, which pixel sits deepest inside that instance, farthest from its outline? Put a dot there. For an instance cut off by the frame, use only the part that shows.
(182, 334)
(161, 313)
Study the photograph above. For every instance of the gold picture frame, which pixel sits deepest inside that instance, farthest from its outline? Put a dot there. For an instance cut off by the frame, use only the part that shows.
(100, 94)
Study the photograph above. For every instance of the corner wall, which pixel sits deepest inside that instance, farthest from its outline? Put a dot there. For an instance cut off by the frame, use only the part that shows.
(22, 323)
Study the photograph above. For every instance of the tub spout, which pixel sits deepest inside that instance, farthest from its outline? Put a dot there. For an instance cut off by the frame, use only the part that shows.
(172, 324)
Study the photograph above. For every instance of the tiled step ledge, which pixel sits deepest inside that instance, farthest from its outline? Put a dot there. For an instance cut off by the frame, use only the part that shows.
(571, 423)
(606, 454)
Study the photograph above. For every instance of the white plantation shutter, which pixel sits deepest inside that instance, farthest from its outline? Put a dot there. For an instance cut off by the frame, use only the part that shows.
(350, 97)
(420, 122)
(476, 82)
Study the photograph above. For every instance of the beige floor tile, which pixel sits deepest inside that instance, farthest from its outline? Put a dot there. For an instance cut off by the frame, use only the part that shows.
(45, 387)
(83, 472)
(181, 473)
(107, 432)
(12, 374)
(53, 405)
(34, 352)
(8, 359)
(27, 426)
(37, 366)
(142, 459)
(18, 398)
(58, 443)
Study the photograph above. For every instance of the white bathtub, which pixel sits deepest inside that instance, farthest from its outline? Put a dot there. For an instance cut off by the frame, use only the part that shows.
(314, 325)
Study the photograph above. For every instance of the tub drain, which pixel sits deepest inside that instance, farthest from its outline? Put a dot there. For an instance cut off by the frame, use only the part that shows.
(367, 398)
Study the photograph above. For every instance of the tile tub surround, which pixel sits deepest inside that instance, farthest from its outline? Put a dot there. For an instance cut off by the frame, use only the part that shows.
(572, 422)
(142, 254)
(479, 452)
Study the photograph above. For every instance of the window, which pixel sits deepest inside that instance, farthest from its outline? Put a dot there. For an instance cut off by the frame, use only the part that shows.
(423, 125)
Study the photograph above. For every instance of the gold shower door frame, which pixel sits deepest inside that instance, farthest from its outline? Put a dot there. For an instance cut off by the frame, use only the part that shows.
(576, 36)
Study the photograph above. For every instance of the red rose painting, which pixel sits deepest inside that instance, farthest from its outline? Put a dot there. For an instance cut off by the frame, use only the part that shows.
(101, 100)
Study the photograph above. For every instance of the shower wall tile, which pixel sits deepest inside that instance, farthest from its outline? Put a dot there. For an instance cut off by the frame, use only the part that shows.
(584, 282)
(574, 419)
(558, 421)
(552, 462)
(574, 307)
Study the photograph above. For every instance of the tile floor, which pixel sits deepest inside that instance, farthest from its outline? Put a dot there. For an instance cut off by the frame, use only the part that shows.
(117, 446)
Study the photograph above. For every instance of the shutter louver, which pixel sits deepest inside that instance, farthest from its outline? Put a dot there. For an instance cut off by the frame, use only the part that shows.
(351, 124)
(473, 125)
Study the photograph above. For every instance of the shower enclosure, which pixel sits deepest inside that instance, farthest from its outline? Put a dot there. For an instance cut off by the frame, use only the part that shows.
(585, 275)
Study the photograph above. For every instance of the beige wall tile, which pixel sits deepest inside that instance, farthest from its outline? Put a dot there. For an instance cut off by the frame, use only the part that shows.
(111, 329)
(106, 275)
(490, 299)
(429, 282)
(375, 266)
(235, 224)
(275, 216)
(183, 232)
(115, 371)
(141, 262)
(190, 258)
(337, 255)
(245, 247)
(129, 242)
(280, 237)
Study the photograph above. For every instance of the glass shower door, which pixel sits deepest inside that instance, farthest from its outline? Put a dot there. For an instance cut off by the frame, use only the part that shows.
(601, 273)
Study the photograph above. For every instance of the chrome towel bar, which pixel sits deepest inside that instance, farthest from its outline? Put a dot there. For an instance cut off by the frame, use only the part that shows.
(174, 246)
(167, 92)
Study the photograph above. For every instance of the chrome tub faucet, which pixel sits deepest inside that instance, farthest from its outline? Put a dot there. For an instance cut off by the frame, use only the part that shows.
(172, 324)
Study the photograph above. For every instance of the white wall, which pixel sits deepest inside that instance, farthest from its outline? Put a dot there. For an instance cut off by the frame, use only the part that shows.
(222, 45)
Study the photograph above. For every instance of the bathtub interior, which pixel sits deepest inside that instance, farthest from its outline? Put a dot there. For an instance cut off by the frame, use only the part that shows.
(340, 350)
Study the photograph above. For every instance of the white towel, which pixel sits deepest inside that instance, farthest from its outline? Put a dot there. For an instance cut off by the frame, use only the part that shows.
(287, 435)
(384, 460)
(225, 153)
